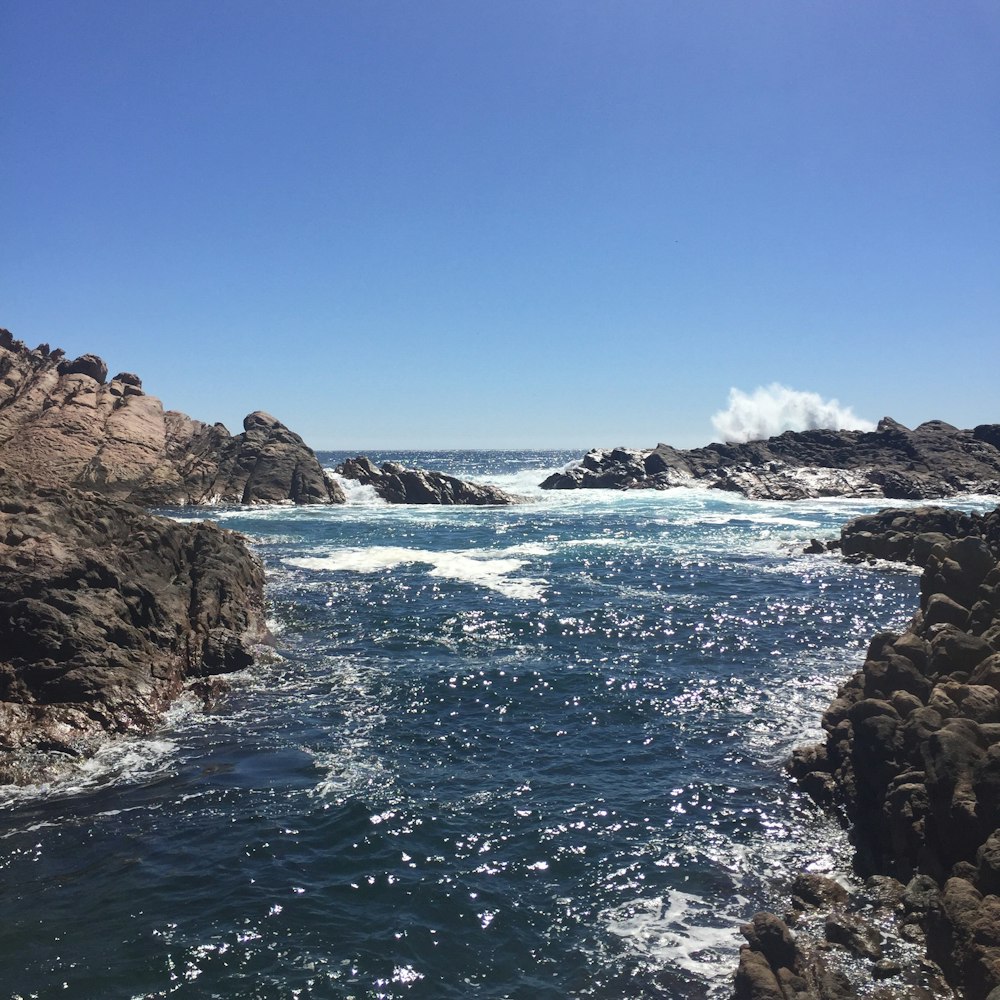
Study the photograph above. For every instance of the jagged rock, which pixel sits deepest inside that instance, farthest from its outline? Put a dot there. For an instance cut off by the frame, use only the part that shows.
(397, 484)
(818, 890)
(61, 424)
(87, 364)
(105, 613)
(912, 753)
(911, 534)
(933, 460)
(855, 934)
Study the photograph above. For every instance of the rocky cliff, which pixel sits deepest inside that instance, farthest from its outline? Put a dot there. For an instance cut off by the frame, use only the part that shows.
(62, 423)
(912, 759)
(106, 613)
(933, 460)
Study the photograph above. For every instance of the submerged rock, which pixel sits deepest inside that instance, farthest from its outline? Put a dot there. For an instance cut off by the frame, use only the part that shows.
(397, 484)
(933, 460)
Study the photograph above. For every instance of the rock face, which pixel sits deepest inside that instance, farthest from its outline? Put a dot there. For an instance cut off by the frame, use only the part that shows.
(934, 460)
(912, 755)
(106, 612)
(63, 424)
(909, 535)
(397, 484)
(804, 963)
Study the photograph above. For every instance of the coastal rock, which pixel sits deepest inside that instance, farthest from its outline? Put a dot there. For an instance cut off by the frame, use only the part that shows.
(933, 460)
(777, 965)
(63, 424)
(397, 484)
(87, 364)
(912, 755)
(106, 612)
(911, 534)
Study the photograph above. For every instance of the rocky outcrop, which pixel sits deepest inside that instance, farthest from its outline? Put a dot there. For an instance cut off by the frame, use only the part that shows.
(267, 463)
(933, 460)
(910, 534)
(106, 614)
(912, 754)
(397, 484)
(63, 424)
(832, 945)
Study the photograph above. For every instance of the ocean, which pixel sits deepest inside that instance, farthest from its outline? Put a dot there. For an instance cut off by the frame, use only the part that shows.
(524, 752)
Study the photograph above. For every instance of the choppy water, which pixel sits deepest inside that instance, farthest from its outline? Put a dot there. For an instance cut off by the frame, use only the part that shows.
(530, 752)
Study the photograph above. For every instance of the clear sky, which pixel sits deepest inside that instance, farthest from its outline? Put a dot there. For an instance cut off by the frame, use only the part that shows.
(514, 223)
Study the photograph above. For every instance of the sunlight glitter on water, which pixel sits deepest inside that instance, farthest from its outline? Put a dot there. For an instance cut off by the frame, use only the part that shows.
(444, 788)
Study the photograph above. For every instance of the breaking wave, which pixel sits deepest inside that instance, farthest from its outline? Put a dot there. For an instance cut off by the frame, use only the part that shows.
(483, 567)
(773, 409)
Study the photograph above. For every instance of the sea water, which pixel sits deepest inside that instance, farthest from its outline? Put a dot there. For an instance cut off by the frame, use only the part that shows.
(522, 752)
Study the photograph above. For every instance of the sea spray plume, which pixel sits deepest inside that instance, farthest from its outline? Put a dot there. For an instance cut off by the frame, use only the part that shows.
(775, 408)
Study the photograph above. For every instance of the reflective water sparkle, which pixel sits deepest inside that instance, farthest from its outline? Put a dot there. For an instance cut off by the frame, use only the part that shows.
(505, 753)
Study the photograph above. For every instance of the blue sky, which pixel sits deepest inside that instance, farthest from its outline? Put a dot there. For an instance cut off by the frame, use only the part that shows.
(509, 224)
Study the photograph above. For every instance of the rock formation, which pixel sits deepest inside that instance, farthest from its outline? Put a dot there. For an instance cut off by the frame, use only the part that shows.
(397, 484)
(912, 755)
(106, 613)
(63, 424)
(910, 534)
(933, 460)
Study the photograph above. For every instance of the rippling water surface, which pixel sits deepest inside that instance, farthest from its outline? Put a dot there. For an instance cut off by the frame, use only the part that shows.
(527, 752)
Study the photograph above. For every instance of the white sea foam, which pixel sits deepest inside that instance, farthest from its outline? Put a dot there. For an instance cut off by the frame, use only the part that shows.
(357, 494)
(128, 760)
(678, 930)
(776, 408)
(490, 568)
(525, 483)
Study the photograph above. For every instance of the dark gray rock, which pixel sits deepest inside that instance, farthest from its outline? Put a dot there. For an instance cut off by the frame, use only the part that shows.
(397, 484)
(86, 364)
(106, 613)
(933, 460)
(855, 934)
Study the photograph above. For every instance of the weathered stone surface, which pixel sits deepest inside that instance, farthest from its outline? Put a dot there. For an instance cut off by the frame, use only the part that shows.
(106, 612)
(62, 424)
(397, 484)
(818, 890)
(933, 460)
(911, 535)
(87, 364)
(912, 753)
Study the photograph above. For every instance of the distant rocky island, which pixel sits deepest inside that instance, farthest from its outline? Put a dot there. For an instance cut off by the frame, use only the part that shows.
(934, 460)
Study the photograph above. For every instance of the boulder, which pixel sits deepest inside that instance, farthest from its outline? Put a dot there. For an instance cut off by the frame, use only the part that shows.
(87, 364)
